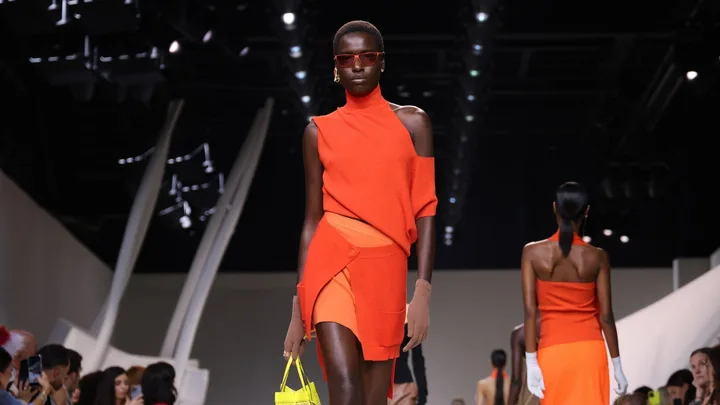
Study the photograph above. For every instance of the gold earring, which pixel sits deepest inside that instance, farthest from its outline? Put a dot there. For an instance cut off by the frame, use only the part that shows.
(336, 79)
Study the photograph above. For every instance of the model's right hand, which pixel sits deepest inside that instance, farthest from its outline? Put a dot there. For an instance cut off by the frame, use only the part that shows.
(295, 339)
(535, 382)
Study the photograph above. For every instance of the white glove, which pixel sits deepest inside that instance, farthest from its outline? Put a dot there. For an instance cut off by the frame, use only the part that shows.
(620, 379)
(535, 382)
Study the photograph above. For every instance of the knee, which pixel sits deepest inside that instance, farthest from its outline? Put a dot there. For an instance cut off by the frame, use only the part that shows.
(348, 386)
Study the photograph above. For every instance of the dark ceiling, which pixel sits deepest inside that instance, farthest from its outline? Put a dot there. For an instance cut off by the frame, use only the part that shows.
(565, 90)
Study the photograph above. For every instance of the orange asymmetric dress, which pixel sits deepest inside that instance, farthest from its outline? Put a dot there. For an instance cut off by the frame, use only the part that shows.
(375, 187)
(571, 350)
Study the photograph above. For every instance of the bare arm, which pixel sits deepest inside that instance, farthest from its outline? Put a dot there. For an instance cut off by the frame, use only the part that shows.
(517, 345)
(420, 127)
(607, 317)
(529, 300)
(313, 192)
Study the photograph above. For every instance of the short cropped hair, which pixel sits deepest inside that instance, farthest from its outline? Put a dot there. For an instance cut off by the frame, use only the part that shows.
(359, 26)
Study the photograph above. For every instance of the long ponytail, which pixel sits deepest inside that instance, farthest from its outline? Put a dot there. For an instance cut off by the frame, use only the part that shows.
(566, 236)
(498, 358)
(499, 388)
(571, 203)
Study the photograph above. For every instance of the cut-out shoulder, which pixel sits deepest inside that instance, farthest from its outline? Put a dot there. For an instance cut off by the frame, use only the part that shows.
(418, 124)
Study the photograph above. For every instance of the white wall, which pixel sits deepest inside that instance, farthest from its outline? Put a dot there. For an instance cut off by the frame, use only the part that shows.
(45, 273)
(243, 328)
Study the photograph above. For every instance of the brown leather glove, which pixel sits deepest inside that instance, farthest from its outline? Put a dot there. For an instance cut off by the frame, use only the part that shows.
(295, 339)
(418, 314)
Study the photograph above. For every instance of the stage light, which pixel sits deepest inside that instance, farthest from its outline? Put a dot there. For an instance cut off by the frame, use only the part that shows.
(481, 17)
(174, 47)
(607, 232)
(288, 18)
(691, 75)
(295, 51)
(587, 239)
(624, 239)
(301, 74)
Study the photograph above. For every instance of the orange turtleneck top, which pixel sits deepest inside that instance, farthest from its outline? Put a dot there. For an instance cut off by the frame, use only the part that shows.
(371, 170)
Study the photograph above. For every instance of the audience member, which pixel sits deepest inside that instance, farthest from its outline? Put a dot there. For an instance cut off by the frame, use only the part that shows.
(88, 388)
(680, 386)
(158, 384)
(113, 389)
(73, 375)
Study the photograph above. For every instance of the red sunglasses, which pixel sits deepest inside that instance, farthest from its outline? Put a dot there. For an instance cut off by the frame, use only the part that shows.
(366, 59)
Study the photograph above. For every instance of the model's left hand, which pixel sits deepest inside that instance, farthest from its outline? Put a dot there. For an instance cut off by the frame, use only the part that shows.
(620, 379)
(418, 315)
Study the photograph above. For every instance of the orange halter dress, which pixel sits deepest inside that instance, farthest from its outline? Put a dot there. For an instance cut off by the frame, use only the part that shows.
(375, 188)
(571, 350)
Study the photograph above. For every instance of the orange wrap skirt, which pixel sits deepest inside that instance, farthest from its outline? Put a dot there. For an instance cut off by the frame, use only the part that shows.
(575, 373)
(357, 277)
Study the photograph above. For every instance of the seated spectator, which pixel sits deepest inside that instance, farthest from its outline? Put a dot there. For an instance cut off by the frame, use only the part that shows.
(113, 389)
(158, 384)
(680, 386)
(55, 365)
(134, 374)
(644, 391)
(631, 399)
(88, 388)
(73, 375)
(703, 371)
(25, 394)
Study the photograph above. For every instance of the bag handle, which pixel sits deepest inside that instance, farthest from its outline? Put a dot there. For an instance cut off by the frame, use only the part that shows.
(304, 380)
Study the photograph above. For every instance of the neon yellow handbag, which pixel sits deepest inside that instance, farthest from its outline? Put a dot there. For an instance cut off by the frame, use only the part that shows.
(306, 395)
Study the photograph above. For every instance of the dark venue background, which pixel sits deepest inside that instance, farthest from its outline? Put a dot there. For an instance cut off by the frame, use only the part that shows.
(523, 98)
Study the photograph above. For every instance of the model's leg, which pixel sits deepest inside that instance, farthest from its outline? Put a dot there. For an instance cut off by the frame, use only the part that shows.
(376, 377)
(342, 357)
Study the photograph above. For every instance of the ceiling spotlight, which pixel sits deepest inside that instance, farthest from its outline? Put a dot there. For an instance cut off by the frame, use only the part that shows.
(174, 47)
(449, 229)
(470, 97)
(481, 17)
(295, 52)
(301, 74)
(607, 232)
(691, 75)
(624, 239)
(305, 99)
(244, 51)
(207, 37)
(288, 18)
(448, 242)
(474, 73)
(587, 239)
(469, 118)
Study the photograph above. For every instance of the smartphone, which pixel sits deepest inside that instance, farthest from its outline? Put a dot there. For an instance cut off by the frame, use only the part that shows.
(31, 370)
(135, 391)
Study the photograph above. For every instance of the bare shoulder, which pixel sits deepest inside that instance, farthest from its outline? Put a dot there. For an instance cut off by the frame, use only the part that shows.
(601, 255)
(311, 132)
(533, 247)
(414, 118)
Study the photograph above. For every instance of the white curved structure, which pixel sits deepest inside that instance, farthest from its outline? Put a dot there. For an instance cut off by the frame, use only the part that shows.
(652, 347)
